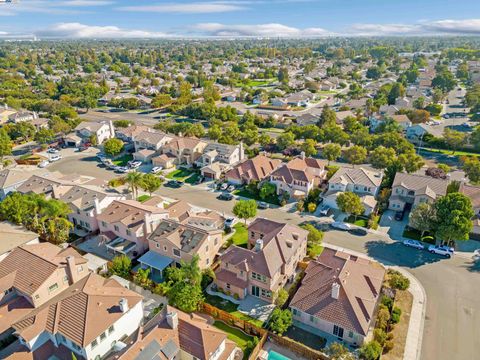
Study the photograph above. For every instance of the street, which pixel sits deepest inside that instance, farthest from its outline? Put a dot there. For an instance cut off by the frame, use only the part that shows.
(452, 286)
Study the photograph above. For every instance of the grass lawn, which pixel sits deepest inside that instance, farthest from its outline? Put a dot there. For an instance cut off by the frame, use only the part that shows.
(235, 335)
(193, 178)
(273, 199)
(143, 198)
(240, 238)
(122, 161)
(231, 308)
(180, 174)
(450, 152)
(415, 234)
(359, 222)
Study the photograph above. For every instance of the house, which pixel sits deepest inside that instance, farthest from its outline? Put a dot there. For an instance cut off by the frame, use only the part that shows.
(13, 236)
(129, 134)
(22, 116)
(180, 336)
(342, 115)
(298, 176)
(126, 225)
(327, 86)
(416, 132)
(31, 275)
(363, 182)
(222, 153)
(40, 123)
(408, 190)
(11, 179)
(473, 193)
(151, 140)
(185, 150)
(278, 102)
(5, 112)
(89, 319)
(307, 119)
(302, 98)
(181, 242)
(388, 110)
(86, 202)
(402, 120)
(255, 169)
(339, 296)
(269, 262)
(403, 103)
(101, 130)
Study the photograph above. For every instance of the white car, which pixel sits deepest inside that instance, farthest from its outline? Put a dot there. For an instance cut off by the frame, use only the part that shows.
(44, 164)
(324, 210)
(231, 188)
(224, 186)
(52, 151)
(55, 157)
(135, 164)
(341, 226)
(156, 169)
(229, 222)
(441, 250)
(414, 243)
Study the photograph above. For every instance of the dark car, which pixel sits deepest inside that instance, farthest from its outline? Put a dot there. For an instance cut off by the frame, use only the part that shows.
(399, 215)
(225, 197)
(174, 184)
(358, 231)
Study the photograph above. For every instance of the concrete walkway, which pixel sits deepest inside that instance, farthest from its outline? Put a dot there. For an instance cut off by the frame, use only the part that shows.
(413, 345)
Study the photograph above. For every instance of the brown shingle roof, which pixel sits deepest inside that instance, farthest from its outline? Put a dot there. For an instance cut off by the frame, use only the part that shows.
(257, 168)
(421, 184)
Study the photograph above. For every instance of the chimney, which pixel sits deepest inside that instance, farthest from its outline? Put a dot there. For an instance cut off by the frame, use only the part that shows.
(172, 319)
(302, 155)
(258, 245)
(72, 269)
(96, 203)
(241, 154)
(335, 290)
(112, 128)
(123, 305)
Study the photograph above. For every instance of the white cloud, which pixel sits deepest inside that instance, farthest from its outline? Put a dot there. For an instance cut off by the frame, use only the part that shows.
(468, 26)
(80, 31)
(382, 29)
(186, 8)
(260, 30)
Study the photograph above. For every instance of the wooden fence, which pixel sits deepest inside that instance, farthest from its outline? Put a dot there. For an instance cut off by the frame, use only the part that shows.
(297, 348)
(256, 350)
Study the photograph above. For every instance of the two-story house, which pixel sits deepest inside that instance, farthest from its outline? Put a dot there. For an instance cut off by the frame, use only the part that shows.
(256, 169)
(13, 236)
(365, 183)
(148, 144)
(408, 190)
(126, 225)
(274, 250)
(89, 319)
(217, 158)
(339, 296)
(101, 130)
(184, 150)
(298, 176)
(31, 275)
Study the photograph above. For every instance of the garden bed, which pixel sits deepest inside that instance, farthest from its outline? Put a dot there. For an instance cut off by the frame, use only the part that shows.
(414, 234)
(242, 340)
(180, 174)
(231, 308)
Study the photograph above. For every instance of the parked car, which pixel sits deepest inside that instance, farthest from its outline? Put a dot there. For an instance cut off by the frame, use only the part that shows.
(122, 169)
(358, 231)
(134, 164)
(156, 169)
(324, 210)
(229, 222)
(414, 243)
(44, 164)
(441, 250)
(231, 188)
(174, 184)
(224, 186)
(55, 157)
(53, 151)
(225, 197)
(341, 226)
(262, 205)
(399, 215)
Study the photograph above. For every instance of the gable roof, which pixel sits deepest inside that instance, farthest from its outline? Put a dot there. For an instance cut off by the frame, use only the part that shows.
(357, 176)
(421, 184)
(360, 281)
(12, 235)
(257, 168)
(297, 169)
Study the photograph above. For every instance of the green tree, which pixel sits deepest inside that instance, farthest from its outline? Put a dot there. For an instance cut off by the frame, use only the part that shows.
(454, 139)
(185, 94)
(471, 166)
(280, 321)
(314, 241)
(6, 144)
(355, 155)
(382, 157)
(423, 217)
(267, 189)
(121, 266)
(338, 351)
(411, 162)
(245, 209)
(161, 100)
(185, 296)
(370, 351)
(285, 140)
(44, 136)
(309, 147)
(445, 81)
(122, 123)
(281, 297)
(397, 91)
(350, 203)
(134, 179)
(150, 183)
(454, 217)
(331, 152)
(397, 280)
(113, 147)
(283, 76)
(142, 278)
(475, 138)
(328, 117)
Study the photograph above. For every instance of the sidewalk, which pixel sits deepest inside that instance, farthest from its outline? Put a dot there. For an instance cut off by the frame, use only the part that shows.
(413, 345)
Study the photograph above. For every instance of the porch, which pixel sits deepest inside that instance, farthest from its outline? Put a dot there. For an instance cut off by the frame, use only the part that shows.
(157, 263)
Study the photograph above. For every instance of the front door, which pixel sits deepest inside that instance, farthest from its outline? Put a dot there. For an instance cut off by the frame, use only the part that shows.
(256, 291)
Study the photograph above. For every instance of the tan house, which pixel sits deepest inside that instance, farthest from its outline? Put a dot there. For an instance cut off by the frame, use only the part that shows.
(338, 296)
(126, 225)
(13, 236)
(185, 150)
(255, 169)
(181, 336)
(408, 190)
(274, 250)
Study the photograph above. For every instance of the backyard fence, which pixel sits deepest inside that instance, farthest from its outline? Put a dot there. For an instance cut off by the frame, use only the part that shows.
(297, 348)
(256, 350)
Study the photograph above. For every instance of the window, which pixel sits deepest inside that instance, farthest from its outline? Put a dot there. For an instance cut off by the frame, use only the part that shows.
(94, 344)
(116, 227)
(110, 329)
(80, 268)
(350, 334)
(259, 277)
(129, 233)
(208, 261)
(206, 248)
(103, 336)
(338, 331)
(215, 242)
(52, 288)
(76, 347)
(65, 279)
(228, 286)
(312, 319)
(157, 245)
(176, 252)
(164, 248)
(37, 296)
(104, 224)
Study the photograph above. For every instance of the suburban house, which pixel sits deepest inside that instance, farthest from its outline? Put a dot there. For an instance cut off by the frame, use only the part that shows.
(11, 179)
(307, 119)
(86, 203)
(13, 236)
(31, 275)
(269, 263)
(408, 190)
(298, 176)
(148, 144)
(255, 169)
(126, 224)
(340, 116)
(129, 134)
(301, 98)
(473, 193)
(180, 336)
(89, 319)
(415, 133)
(217, 158)
(185, 150)
(22, 116)
(101, 130)
(363, 182)
(173, 242)
(401, 120)
(339, 296)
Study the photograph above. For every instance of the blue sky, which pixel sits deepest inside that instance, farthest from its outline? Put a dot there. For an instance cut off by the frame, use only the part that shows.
(236, 18)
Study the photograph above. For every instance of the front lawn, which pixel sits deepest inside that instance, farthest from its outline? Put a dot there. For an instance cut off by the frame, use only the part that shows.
(359, 221)
(243, 192)
(231, 308)
(143, 198)
(123, 160)
(180, 174)
(414, 234)
(237, 336)
(240, 238)
(193, 178)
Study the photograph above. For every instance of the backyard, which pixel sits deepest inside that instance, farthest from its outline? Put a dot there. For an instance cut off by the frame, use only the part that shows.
(242, 340)
(240, 237)
(231, 308)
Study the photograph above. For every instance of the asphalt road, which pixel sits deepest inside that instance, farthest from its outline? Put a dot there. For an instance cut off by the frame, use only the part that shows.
(452, 325)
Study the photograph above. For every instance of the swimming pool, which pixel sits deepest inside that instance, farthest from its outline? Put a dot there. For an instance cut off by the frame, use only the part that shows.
(273, 355)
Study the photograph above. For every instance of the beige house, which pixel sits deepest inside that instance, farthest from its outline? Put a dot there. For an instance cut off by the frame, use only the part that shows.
(101, 130)
(408, 190)
(13, 236)
(339, 296)
(255, 169)
(274, 250)
(185, 150)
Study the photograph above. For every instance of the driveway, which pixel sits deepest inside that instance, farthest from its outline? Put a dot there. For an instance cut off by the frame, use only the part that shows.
(392, 227)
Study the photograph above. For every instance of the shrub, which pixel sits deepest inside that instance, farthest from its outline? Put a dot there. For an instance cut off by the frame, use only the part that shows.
(380, 336)
(396, 313)
(370, 351)
(373, 222)
(383, 317)
(300, 205)
(387, 301)
(280, 321)
(235, 296)
(207, 277)
(398, 281)
(282, 297)
(311, 207)
(388, 346)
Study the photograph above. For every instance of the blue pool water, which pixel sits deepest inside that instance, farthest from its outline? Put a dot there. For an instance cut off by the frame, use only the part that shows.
(273, 355)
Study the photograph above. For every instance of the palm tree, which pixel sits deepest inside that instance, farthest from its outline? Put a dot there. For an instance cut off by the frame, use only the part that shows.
(133, 179)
